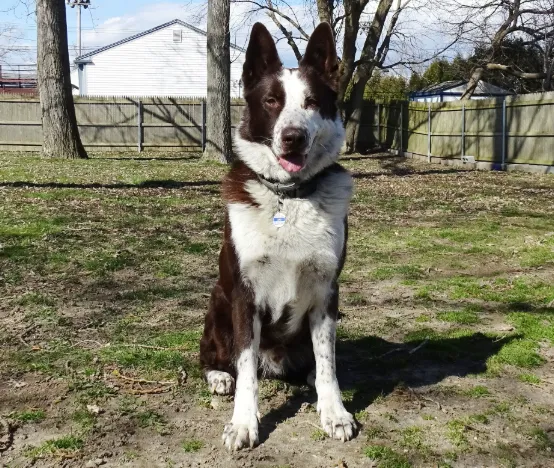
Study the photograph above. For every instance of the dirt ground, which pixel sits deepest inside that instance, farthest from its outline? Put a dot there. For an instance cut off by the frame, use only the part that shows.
(445, 343)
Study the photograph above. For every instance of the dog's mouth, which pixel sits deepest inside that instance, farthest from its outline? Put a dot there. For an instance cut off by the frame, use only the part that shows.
(292, 162)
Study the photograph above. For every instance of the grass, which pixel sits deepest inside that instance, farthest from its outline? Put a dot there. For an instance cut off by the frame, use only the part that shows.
(456, 430)
(85, 419)
(529, 378)
(65, 446)
(521, 353)
(541, 439)
(192, 445)
(29, 416)
(318, 435)
(466, 316)
(478, 391)
(385, 457)
(109, 263)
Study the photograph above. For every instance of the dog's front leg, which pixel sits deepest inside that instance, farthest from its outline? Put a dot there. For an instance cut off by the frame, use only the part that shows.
(242, 431)
(336, 421)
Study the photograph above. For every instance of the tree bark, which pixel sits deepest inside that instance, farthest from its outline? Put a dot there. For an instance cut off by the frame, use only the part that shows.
(59, 124)
(365, 69)
(476, 76)
(325, 9)
(356, 106)
(218, 118)
(354, 9)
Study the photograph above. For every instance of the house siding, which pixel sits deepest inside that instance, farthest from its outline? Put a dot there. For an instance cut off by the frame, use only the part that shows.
(154, 65)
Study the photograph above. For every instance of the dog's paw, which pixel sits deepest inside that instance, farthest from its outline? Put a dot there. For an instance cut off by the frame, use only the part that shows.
(220, 383)
(338, 423)
(239, 436)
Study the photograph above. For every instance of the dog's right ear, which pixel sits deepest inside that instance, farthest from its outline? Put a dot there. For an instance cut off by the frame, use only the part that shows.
(261, 56)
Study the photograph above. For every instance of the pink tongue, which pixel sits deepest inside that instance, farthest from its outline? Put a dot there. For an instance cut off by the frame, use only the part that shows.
(292, 163)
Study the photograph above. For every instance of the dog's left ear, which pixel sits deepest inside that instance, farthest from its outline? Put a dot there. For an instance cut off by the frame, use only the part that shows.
(321, 54)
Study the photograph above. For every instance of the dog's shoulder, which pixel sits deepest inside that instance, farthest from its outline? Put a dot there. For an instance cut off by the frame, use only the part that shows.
(233, 187)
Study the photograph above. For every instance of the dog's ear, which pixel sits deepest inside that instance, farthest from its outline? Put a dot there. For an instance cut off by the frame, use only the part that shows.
(321, 54)
(261, 57)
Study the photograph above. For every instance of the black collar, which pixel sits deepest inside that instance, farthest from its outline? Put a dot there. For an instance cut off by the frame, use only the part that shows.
(300, 189)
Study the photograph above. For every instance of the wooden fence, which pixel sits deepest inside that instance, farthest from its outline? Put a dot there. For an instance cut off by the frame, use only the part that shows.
(115, 124)
(492, 133)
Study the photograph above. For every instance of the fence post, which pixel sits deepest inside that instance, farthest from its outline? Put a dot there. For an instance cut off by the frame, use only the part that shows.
(429, 134)
(504, 134)
(401, 127)
(378, 124)
(463, 129)
(203, 143)
(139, 125)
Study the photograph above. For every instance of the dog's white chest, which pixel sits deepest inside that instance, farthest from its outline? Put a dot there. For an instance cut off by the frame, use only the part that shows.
(292, 265)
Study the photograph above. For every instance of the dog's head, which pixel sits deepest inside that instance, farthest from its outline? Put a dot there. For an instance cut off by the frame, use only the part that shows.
(291, 128)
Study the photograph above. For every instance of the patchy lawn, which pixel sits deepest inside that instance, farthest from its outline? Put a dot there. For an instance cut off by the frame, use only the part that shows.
(445, 349)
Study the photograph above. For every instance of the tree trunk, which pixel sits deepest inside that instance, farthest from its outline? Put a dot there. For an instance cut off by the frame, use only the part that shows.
(59, 125)
(473, 83)
(356, 106)
(218, 118)
(347, 65)
(325, 9)
(363, 74)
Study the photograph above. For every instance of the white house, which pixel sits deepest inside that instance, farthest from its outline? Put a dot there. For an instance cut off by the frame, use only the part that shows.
(453, 90)
(166, 61)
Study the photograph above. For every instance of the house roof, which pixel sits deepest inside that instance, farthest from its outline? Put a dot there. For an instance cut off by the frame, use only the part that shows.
(447, 88)
(83, 58)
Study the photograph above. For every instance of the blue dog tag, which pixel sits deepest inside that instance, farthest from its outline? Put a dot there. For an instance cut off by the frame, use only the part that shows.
(279, 219)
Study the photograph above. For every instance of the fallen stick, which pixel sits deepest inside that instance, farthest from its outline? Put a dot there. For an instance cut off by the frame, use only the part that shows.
(157, 348)
(418, 347)
(118, 374)
(151, 391)
(26, 332)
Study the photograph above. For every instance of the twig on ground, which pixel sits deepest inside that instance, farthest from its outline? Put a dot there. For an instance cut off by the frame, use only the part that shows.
(151, 391)
(119, 375)
(100, 345)
(418, 347)
(439, 406)
(395, 350)
(312, 424)
(26, 332)
(157, 348)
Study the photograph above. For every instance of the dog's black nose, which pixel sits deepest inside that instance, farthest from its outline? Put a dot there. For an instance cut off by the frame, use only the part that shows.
(294, 139)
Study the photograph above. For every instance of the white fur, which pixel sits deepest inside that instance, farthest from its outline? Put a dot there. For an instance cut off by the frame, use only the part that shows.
(293, 265)
(336, 421)
(220, 383)
(242, 431)
(325, 135)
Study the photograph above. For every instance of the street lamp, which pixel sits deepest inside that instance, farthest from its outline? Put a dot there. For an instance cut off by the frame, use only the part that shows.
(78, 3)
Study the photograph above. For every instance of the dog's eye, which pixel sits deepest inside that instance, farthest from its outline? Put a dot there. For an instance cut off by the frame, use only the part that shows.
(311, 103)
(271, 102)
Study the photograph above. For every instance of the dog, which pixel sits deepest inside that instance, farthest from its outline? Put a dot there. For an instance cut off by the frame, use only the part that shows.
(274, 308)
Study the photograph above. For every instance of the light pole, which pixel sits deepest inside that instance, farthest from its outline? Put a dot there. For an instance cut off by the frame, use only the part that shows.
(78, 4)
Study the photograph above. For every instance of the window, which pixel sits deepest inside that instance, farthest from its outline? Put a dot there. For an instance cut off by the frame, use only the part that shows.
(177, 35)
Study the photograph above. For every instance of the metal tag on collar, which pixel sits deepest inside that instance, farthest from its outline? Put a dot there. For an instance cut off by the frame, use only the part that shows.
(279, 218)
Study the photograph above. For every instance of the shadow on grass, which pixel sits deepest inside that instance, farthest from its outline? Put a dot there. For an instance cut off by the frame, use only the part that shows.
(370, 367)
(167, 184)
(149, 158)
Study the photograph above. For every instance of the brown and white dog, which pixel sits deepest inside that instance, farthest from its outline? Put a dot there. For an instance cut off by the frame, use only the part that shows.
(273, 310)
